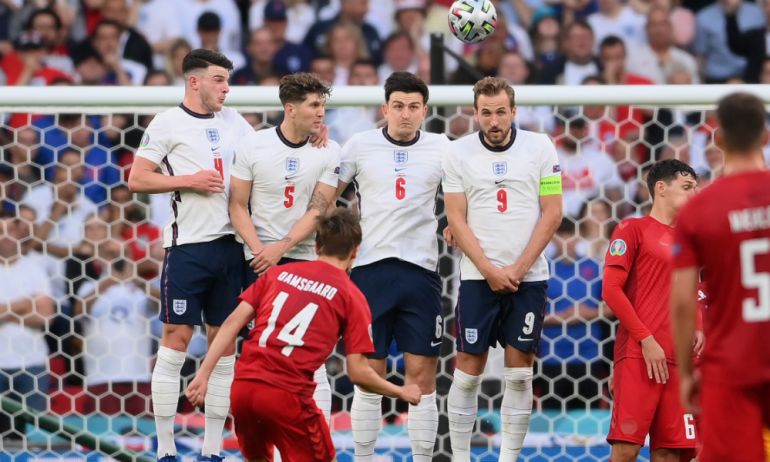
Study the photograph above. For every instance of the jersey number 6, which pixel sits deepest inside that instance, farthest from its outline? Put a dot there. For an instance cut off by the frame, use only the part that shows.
(400, 188)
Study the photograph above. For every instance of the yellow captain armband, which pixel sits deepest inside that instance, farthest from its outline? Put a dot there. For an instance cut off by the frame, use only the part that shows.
(550, 185)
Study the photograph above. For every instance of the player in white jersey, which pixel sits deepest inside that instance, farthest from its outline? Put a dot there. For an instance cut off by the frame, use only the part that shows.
(397, 173)
(287, 183)
(502, 190)
(192, 146)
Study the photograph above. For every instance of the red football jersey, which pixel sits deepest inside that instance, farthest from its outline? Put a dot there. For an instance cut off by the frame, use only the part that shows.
(642, 247)
(302, 309)
(726, 230)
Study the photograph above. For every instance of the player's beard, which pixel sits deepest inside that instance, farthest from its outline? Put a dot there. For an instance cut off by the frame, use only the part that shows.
(497, 136)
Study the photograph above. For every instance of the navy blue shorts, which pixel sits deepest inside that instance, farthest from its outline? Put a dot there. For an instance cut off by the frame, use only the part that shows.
(200, 282)
(250, 277)
(405, 300)
(485, 318)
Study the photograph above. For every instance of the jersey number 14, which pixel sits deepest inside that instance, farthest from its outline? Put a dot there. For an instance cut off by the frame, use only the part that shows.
(294, 330)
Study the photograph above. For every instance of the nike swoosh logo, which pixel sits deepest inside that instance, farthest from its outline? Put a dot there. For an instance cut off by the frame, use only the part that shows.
(433, 344)
(215, 149)
(400, 169)
(524, 339)
(289, 177)
(498, 181)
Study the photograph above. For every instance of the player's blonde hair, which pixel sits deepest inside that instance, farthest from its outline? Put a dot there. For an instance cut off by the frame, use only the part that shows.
(339, 233)
(492, 86)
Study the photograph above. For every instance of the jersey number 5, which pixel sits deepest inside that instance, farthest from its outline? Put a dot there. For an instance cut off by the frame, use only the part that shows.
(288, 193)
(755, 310)
(293, 330)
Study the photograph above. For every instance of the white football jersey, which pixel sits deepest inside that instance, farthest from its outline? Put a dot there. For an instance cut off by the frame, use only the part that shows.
(397, 184)
(117, 335)
(502, 186)
(283, 175)
(182, 142)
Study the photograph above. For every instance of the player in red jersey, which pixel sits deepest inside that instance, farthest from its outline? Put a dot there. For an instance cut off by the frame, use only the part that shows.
(636, 286)
(726, 231)
(301, 310)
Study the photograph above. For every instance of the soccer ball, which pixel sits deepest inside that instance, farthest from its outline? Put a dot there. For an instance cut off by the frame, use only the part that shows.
(472, 20)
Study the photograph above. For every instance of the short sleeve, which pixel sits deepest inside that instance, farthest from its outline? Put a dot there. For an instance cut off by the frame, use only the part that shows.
(244, 127)
(331, 173)
(549, 165)
(253, 294)
(155, 142)
(242, 161)
(623, 246)
(683, 249)
(357, 334)
(348, 168)
(452, 181)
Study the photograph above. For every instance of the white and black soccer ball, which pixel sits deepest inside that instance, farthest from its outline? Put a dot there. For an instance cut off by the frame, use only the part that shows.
(472, 20)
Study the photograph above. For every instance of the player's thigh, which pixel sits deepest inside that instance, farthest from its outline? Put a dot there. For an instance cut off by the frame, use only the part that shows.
(672, 427)
(222, 295)
(184, 283)
(378, 283)
(477, 317)
(634, 404)
(522, 319)
(251, 406)
(305, 436)
(419, 326)
(731, 423)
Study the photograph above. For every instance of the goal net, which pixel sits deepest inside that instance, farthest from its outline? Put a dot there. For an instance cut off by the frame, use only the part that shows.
(70, 218)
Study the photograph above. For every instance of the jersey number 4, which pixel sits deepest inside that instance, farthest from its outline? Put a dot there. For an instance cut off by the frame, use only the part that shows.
(755, 310)
(293, 331)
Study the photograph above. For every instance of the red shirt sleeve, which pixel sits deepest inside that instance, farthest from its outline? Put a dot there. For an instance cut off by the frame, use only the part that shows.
(253, 294)
(623, 246)
(683, 249)
(357, 331)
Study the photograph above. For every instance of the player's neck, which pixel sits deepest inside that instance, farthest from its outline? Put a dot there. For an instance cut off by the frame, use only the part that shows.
(336, 262)
(196, 106)
(663, 214)
(292, 134)
(736, 163)
(400, 137)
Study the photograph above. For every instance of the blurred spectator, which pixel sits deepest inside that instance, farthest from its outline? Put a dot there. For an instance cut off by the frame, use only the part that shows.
(682, 19)
(21, 156)
(133, 45)
(25, 308)
(260, 52)
(290, 56)
(323, 66)
(345, 45)
(515, 71)
(174, 57)
(347, 121)
(595, 223)
(488, 58)
(749, 44)
(586, 171)
(410, 16)
(578, 61)
(352, 11)
(209, 30)
(47, 23)
(159, 23)
(299, 16)
(660, 59)
(617, 18)
(90, 68)
(569, 347)
(157, 77)
(546, 33)
(188, 12)
(26, 65)
(719, 64)
(400, 55)
(106, 40)
(118, 345)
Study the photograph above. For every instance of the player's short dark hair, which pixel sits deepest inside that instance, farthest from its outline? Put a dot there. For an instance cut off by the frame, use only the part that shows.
(742, 121)
(492, 86)
(294, 88)
(611, 41)
(667, 171)
(339, 233)
(201, 58)
(407, 83)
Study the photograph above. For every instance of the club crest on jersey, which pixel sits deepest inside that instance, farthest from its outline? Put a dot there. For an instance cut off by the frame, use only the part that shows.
(618, 247)
(500, 168)
(292, 164)
(180, 306)
(471, 335)
(400, 157)
(212, 134)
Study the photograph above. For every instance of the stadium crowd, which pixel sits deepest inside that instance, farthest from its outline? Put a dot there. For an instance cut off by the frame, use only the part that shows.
(70, 221)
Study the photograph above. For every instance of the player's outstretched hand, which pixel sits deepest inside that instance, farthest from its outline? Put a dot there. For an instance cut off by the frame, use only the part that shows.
(321, 140)
(655, 359)
(411, 393)
(196, 391)
(698, 343)
(207, 181)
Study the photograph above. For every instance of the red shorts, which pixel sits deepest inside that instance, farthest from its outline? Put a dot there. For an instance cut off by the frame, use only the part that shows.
(641, 407)
(731, 422)
(267, 417)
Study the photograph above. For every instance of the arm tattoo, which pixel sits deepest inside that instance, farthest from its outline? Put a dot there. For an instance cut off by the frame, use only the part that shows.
(319, 202)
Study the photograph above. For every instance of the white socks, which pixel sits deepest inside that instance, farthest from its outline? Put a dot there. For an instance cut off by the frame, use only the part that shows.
(165, 397)
(217, 404)
(366, 416)
(323, 393)
(515, 411)
(422, 424)
(462, 407)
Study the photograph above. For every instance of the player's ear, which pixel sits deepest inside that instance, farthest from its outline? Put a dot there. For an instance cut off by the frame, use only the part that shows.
(384, 109)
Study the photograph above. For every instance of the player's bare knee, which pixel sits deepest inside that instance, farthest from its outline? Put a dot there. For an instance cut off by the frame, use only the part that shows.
(472, 364)
(211, 333)
(176, 336)
(518, 358)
